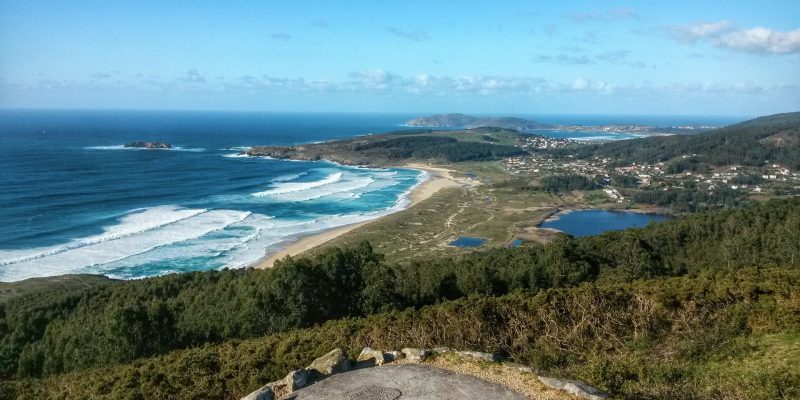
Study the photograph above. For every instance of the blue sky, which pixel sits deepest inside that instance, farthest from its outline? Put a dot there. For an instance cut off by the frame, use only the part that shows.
(711, 57)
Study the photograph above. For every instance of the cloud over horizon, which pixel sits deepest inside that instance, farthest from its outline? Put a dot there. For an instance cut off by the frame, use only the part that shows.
(379, 81)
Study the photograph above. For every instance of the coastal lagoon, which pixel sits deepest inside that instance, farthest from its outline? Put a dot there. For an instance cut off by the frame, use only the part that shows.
(586, 136)
(594, 222)
(468, 241)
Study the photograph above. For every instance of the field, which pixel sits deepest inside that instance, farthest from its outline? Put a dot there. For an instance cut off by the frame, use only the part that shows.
(486, 210)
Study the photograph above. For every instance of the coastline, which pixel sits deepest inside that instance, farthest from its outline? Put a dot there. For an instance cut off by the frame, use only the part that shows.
(438, 178)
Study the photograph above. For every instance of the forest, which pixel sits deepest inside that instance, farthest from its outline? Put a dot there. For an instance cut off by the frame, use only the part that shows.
(690, 199)
(50, 333)
(772, 139)
(567, 183)
(437, 147)
(715, 335)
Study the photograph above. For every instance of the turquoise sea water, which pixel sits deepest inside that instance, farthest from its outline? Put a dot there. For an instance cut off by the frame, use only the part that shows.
(74, 200)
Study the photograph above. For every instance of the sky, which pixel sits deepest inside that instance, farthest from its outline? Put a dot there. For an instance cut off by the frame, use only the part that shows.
(729, 57)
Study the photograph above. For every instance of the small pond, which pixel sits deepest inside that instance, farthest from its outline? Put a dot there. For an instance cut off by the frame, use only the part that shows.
(594, 222)
(467, 241)
(515, 243)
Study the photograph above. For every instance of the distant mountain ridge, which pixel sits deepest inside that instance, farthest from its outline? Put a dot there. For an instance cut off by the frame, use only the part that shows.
(457, 120)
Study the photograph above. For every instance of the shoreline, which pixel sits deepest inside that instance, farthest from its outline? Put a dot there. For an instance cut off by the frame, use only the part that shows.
(438, 178)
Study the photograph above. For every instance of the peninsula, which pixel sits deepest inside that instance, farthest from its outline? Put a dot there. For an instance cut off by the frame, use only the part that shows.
(462, 121)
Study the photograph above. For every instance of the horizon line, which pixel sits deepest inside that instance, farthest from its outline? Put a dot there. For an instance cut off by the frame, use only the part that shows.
(419, 113)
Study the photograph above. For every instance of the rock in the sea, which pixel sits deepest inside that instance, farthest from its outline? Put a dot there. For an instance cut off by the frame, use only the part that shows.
(576, 388)
(368, 354)
(149, 145)
(415, 355)
(263, 393)
(479, 355)
(332, 363)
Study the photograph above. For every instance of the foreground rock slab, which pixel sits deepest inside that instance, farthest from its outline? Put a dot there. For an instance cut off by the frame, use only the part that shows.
(404, 381)
(576, 388)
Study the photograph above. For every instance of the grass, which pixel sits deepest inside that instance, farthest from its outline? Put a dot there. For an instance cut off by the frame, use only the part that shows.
(425, 230)
(498, 215)
(736, 342)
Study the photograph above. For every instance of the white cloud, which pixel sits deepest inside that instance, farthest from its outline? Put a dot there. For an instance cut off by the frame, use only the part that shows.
(762, 40)
(693, 33)
(373, 78)
(724, 34)
(413, 88)
(580, 84)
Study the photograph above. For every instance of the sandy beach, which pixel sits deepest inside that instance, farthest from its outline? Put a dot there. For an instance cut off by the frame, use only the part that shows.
(438, 179)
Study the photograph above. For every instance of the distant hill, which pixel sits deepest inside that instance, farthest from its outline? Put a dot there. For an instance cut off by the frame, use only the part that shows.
(398, 148)
(467, 121)
(770, 139)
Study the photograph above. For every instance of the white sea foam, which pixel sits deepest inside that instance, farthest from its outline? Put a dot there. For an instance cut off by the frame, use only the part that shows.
(131, 237)
(136, 221)
(289, 187)
(177, 236)
(287, 178)
(343, 187)
(122, 147)
(235, 155)
(259, 236)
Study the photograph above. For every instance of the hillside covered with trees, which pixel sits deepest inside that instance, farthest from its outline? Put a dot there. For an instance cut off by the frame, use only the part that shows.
(396, 148)
(771, 139)
(709, 306)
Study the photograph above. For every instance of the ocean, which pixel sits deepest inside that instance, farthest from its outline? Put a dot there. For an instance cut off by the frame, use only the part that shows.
(73, 199)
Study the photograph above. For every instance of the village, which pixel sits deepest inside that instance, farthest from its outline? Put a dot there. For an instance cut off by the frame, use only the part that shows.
(771, 179)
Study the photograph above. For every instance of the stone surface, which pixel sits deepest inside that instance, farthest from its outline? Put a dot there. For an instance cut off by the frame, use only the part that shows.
(413, 381)
(368, 354)
(441, 350)
(390, 356)
(518, 367)
(479, 355)
(375, 393)
(263, 393)
(332, 363)
(298, 379)
(415, 355)
(576, 388)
